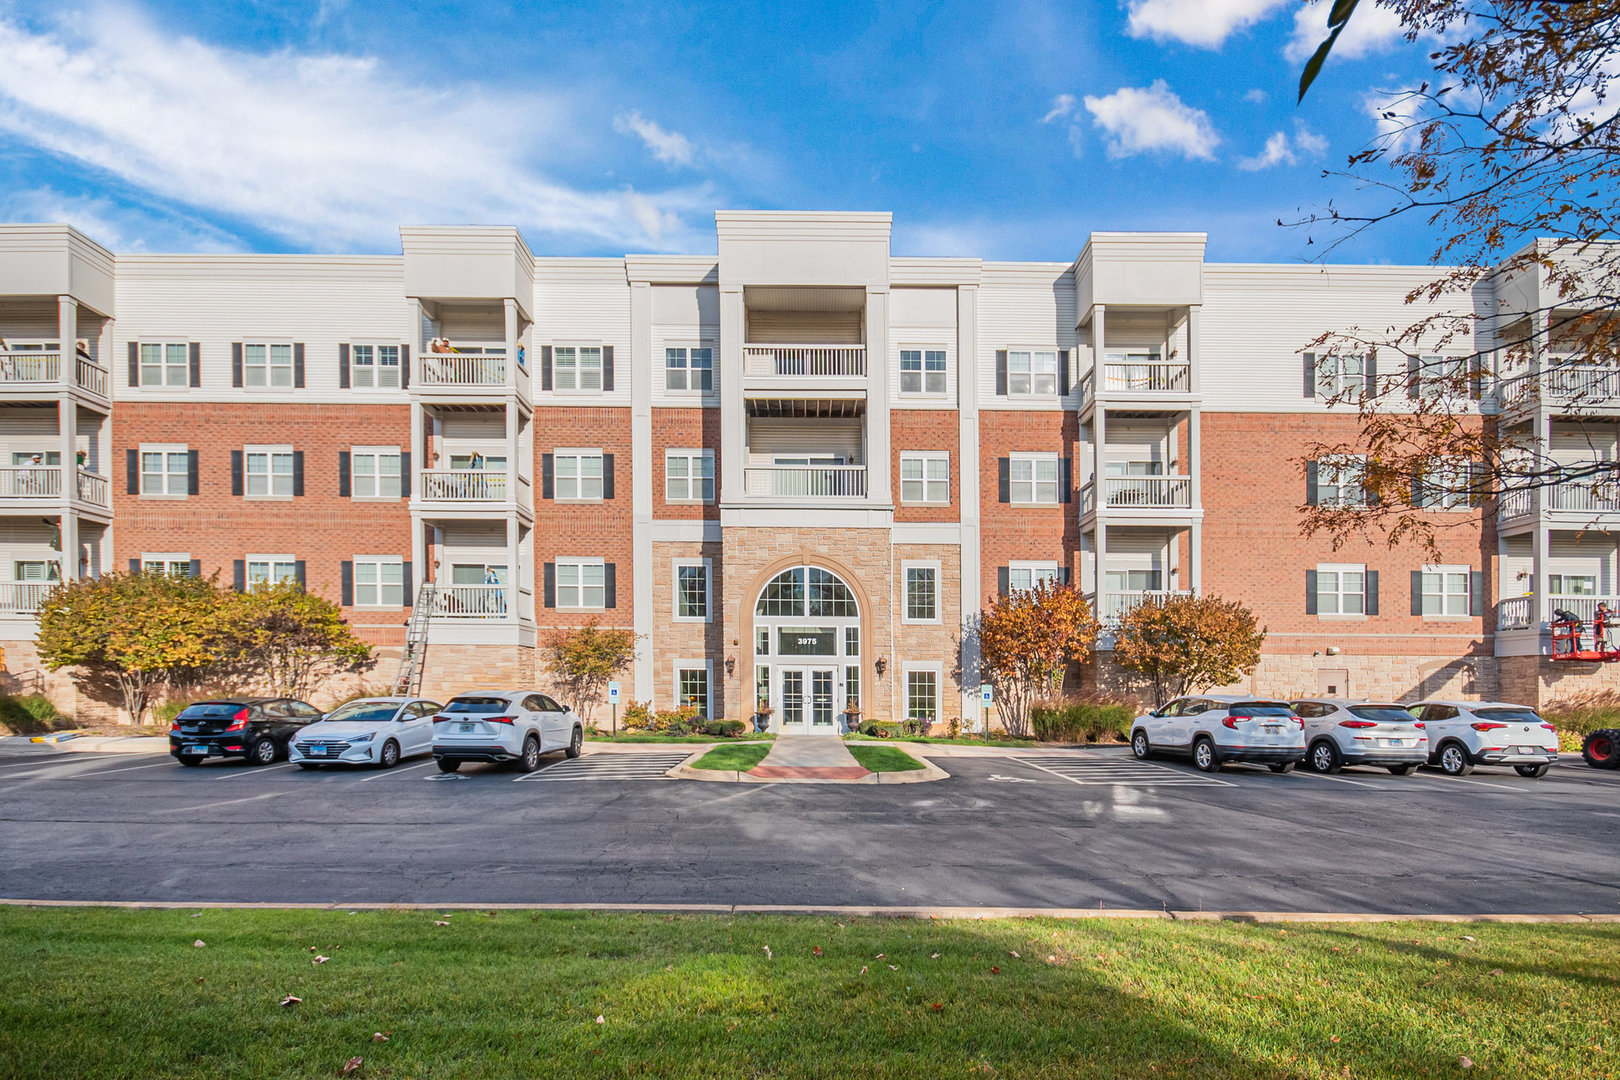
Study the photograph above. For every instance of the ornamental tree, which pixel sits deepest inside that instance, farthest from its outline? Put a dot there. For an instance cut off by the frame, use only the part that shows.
(289, 641)
(583, 659)
(1026, 641)
(1188, 643)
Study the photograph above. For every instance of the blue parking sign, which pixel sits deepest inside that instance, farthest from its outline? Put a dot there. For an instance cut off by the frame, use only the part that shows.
(613, 693)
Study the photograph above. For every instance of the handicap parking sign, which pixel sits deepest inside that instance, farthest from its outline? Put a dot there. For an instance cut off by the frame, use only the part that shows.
(986, 696)
(613, 693)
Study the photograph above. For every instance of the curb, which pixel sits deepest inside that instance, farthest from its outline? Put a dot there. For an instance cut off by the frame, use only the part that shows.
(930, 771)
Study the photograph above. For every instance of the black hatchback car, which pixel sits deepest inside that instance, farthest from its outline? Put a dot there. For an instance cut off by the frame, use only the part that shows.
(257, 729)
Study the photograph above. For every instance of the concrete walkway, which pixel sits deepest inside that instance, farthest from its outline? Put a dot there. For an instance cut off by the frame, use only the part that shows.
(809, 757)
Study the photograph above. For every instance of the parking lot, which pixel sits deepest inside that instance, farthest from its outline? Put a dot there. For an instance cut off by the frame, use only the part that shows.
(1034, 829)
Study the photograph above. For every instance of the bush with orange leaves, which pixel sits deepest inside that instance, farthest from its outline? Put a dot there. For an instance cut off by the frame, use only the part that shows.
(1026, 641)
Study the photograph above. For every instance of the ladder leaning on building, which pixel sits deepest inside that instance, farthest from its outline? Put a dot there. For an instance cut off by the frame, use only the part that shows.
(408, 683)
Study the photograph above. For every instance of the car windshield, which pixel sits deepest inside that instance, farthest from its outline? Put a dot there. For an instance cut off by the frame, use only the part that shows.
(364, 712)
(1260, 708)
(210, 710)
(1383, 714)
(487, 706)
(1515, 715)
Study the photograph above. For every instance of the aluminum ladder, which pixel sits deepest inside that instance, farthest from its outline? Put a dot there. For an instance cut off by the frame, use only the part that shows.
(408, 683)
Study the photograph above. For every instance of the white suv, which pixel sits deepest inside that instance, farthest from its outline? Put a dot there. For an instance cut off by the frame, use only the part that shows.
(1215, 729)
(504, 726)
(1344, 733)
(1463, 734)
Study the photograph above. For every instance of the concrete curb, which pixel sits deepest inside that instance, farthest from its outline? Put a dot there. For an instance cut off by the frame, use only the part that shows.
(930, 771)
(111, 744)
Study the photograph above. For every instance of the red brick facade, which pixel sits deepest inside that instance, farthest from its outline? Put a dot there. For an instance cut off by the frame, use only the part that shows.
(932, 429)
(1007, 532)
(586, 529)
(684, 429)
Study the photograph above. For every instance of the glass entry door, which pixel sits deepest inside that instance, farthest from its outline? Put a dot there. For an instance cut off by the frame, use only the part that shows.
(809, 699)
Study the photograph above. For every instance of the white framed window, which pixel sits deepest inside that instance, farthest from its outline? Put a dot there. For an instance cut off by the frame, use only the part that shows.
(922, 371)
(164, 470)
(582, 584)
(267, 366)
(33, 571)
(922, 691)
(1341, 377)
(922, 592)
(577, 475)
(373, 367)
(271, 569)
(379, 581)
(689, 476)
(691, 581)
(576, 368)
(165, 363)
(374, 472)
(692, 678)
(1443, 376)
(925, 477)
(267, 472)
(1450, 483)
(1341, 480)
(172, 563)
(1026, 574)
(1034, 479)
(1341, 589)
(1032, 372)
(689, 369)
(1445, 591)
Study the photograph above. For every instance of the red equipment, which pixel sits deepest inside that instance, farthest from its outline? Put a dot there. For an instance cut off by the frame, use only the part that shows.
(1566, 644)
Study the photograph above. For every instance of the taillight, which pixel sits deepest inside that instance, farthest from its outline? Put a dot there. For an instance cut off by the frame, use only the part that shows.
(1232, 721)
(1357, 723)
(1486, 725)
(1419, 725)
(238, 720)
(1549, 727)
(174, 727)
(502, 719)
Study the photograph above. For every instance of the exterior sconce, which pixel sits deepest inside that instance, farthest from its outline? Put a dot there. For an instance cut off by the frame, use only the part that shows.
(881, 665)
(1333, 650)
(731, 666)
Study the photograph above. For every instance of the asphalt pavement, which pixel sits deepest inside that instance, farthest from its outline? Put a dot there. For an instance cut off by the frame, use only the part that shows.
(1079, 829)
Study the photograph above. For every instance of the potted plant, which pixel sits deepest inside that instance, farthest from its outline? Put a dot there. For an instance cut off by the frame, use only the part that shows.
(852, 719)
(762, 714)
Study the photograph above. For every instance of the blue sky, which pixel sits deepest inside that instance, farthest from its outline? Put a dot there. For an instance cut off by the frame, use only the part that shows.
(1005, 130)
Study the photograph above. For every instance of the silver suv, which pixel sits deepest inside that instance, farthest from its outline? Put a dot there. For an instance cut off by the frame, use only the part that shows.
(1214, 729)
(1341, 733)
(504, 726)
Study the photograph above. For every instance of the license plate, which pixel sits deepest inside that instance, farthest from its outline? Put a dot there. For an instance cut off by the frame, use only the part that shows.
(1273, 729)
(319, 751)
(1527, 749)
(194, 750)
(466, 727)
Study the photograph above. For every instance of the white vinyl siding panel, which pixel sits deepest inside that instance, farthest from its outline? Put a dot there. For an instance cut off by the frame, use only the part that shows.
(1024, 304)
(923, 319)
(1137, 441)
(804, 327)
(683, 317)
(768, 439)
(583, 302)
(454, 425)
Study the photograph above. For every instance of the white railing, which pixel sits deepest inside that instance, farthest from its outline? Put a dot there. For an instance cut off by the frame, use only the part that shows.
(1115, 605)
(808, 481)
(94, 489)
(1515, 613)
(804, 360)
(1515, 504)
(30, 482)
(461, 369)
(472, 602)
(1148, 492)
(30, 367)
(1583, 607)
(23, 597)
(1583, 497)
(92, 376)
(1147, 376)
(1565, 383)
(464, 485)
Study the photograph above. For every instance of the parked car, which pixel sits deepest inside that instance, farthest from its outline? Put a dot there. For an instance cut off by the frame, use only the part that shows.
(1340, 733)
(370, 731)
(504, 726)
(1601, 748)
(257, 729)
(1217, 729)
(1463, 734)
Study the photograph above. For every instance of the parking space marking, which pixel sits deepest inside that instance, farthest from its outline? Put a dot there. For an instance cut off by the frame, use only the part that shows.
(1480, 783)
(128, 768)
(611, 767)
(1338, 779)
(256, 770)
(396, 772)
(1090, 772)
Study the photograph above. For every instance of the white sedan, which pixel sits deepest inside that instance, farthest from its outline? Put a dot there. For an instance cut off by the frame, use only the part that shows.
(368, 731)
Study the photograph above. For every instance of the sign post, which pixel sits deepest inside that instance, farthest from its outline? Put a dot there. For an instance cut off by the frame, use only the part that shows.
(986, 698)
(613, 700)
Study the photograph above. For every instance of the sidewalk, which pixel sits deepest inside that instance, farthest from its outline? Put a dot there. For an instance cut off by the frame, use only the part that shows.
(809, 757)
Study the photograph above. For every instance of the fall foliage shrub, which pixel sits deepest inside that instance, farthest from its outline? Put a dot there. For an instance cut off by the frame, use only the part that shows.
(1073, 721)
(724, 729)
(28, 714)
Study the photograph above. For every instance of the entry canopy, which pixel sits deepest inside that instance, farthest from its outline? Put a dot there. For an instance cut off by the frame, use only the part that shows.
(806, 592)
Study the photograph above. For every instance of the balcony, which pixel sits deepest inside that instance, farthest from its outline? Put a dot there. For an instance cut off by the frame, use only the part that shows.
(1115, 605)
(1137, 380)
(1575, 503)
(1128, 493)
(464, 485)
(487, 603)
(23, 597)
(38, 372)
(817, 361)
(1520, 612)
(43, 483)
(806, 482)
(1580, 388)
(94, 489)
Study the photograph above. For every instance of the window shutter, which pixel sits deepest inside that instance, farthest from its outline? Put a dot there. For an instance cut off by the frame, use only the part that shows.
(1420, 496)
(1414, 375)
(236, 472)
(408, 581)
(343, 367)
(545, 372)
(1310, 483)
(298, 572)
(1063, 372)
(236, 363)
(298, 472)
(239, 575)
(1310, 375)
(344, 488)
(548, 476)
(550, 575)
(1065, 478)
(1479, 483)
(1372, 376)
(1476, 593)
(134, 566)
(607, 476)
(196, 363)
(346, 572)
(1372, 592)
(1063, 575)
(1476, 377)
(196, 568)
(1003, 581)
(298, 365)
(1001, 373)
(1417, 592)
(193, 485)
(607, 368)
(404, 367)
(1004, 479)
(610, 585)
(132, 472)
(405, 474)
(134, 363)
(1310, 592)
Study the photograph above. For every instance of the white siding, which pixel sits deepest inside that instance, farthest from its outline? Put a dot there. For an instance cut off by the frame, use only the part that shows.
(800, 438)
(583, 302)
(804, 328)
(686, 316)
(923, 319)
(1031, 304)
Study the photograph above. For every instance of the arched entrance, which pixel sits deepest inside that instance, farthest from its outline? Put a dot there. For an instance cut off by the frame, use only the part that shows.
(807, 650)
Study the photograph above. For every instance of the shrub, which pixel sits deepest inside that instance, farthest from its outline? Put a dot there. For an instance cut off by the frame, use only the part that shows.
(883, 729)
(638, 716)
(28, 714)
(1584, 714)
(1068, 720)
(725, 729)
(683, 721)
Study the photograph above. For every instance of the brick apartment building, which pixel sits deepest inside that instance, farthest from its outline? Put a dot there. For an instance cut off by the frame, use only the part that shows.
(796, 468)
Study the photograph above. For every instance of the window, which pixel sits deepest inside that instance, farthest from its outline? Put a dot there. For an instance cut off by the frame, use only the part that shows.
(1026, 575)
(689, 476)
(271, 569)
(692, 591)
(578, 475)
(165, 364)
(922, 593)
(374, 366)
(374, 472)
(1572, 584)
(852, 686)
(852, 641)
(1340, 481)
(922, 695)
(692, 685)
(1032, 373)
(1034, 478)
(925, 478)
(1450, 483)
(1445, 591)
(581, 583)
(762, 641)
(35, 570)
(379, 581)
(172, 563)
(164, 470)
(1342, 377)
(269, 472)
(922, 371)
(689, 370)
(267, 366)
(826, 598)
(577, 367)
(1443, 376)
(1341, 590)
(762, 687)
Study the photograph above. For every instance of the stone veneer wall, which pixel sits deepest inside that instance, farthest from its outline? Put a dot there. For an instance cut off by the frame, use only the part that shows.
(693, 641)
(448, 670)
(1390, 678)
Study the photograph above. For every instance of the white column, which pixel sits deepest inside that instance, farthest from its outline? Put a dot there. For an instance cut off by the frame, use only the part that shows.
(67, 420)
(511, 345)
(67, 332)
(1097, 348)
(733, 418)
(1195, 463)
(512, 574)
(1195, 349)
(877, 398)
(1195, 557)
(967, 442)
(511, 445)
(1540, 540)
(1102, 562)
(641, 485)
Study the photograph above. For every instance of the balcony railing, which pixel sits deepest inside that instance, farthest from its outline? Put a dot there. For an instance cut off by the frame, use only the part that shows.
(91, 376)
(464, 485)
(23, 597)
(1516, 613)
(806, 481)
(462, 369)
(1564, 383)
(1521, 612)
(1115, 605)
(30, 482)
(1148, 492)
(30, 367)
(473, 602)
(1579, 498)
(1136, 377)
(94, 489)
(834, 360)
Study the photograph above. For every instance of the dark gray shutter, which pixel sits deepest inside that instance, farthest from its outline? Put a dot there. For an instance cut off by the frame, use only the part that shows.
(1414, 375)
(1420, 495)
(134, 566)
(344, 488)
(298, 573)
(1063, 575)
(1476, 377)
(346, 576)
(1311, 471)
(132, 473)
(1417, 592)
(405, 473)
(1372, 592)
(193, 480)
(239, 575)
(1063, 372)
(298, 472)
(1310, 375)
(1001, 372)
(404, 366)
(196, 363)
(607, 367)
(134, 363)
(343, 366)
(298, 365)
(196, 568)
(610, 585)
(236, 472)
(1004, 479)
(1476, 593)
(1372, 376)
(549, 573)
(548, 476)
(1310, 592)
(545, 369)
(236, 363)
(407, 580)
(607, 476)
(1003, 581)
(1065, 478)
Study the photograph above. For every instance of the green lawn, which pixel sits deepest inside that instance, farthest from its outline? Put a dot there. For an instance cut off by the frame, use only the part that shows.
(120, 993)
(591, 735)
(960, 740)
(884, 759)
(738, 758)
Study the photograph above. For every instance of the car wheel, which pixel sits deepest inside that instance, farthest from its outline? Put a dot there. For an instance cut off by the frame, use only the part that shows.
(1402, 770)
(1534, 772)
(308, 765)
(1282, 766)
(262, 752)
(1325, 757)
(1140, 746)
(530, 761)
(390, 754)
(1204, 756)
(1453, 761)
(1602, 749)
(576, 744)
(192, 760)
(448, 764)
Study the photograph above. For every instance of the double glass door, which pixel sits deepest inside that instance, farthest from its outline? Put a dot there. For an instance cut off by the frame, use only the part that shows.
(808, 699)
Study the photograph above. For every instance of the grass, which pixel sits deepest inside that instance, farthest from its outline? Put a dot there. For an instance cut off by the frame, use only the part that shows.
(1578, 718)
(884, 759)
(113, 992)
(641, 737)
(944, 740)
(737, 758)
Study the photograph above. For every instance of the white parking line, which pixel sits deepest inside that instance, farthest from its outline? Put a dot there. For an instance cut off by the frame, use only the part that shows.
(128, 768)
(1459, 780)
(1337, 779)
(55, 759)
(256, 770)
(396, 772)
(1133, 772)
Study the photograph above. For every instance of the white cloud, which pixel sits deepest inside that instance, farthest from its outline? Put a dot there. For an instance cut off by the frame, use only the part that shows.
(1206, 23)
(670, 147)
(1256, 96)
(321, 149)
(118, 226)
(1371, 29)
(1062, 105)
(1140, 121)
(1283, 149)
